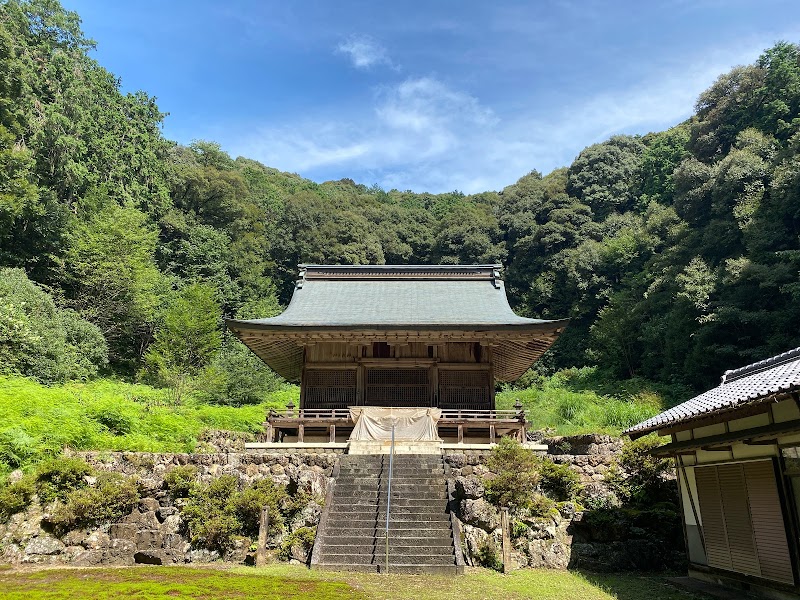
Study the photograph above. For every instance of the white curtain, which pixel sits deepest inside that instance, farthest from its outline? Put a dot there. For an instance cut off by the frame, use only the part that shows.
(410, 424)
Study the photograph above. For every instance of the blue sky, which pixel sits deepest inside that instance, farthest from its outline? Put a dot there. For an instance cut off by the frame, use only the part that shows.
(428, 96)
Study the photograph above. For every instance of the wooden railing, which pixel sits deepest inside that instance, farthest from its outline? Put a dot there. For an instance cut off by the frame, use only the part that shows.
(506, 415)
(462, 420)
(447, 414)
(310, 413)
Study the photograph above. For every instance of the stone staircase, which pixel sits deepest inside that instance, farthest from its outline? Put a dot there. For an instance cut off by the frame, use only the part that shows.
(351, 533)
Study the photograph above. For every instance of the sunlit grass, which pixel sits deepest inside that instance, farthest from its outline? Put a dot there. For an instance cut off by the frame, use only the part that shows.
(575, 401)
(37, 421)
(291, 581)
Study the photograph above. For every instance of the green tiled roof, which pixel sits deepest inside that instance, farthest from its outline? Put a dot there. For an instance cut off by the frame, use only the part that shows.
(464, 298)
(397, 304)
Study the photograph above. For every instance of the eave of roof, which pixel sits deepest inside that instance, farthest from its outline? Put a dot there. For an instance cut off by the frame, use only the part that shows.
(760, 381)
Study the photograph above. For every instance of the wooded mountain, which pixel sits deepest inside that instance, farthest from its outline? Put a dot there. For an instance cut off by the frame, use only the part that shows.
(675, 254)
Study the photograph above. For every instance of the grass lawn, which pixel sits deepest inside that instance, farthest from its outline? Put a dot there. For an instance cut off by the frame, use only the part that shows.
(286, 581)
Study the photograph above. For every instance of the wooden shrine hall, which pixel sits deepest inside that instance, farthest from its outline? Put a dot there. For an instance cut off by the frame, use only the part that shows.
(435, 337)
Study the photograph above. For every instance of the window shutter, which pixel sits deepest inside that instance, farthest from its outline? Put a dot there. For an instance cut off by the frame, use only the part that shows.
(737, 519)
(768, 525)
(743, 524)
(714, 531)
(398, 387)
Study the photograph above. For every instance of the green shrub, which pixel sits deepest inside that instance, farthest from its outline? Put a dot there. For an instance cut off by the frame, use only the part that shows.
(518, 529)
(542, 506)
(16, 446)
(210, 514)
(57, 477)
(303, 535)
(559, 481)
(180, 481)
(489, 557)
(516, 475)
(15, 498)
(113, 418)
(112, 497)
(646, 482)
(263, 492)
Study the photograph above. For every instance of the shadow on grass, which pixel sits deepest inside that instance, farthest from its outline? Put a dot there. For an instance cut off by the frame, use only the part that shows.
(637, 586)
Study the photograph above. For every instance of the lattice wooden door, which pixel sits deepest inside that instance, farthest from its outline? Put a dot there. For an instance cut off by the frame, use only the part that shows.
(401, 387)
(329, 388)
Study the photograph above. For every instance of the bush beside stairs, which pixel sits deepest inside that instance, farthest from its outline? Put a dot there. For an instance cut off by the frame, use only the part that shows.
(351, 533)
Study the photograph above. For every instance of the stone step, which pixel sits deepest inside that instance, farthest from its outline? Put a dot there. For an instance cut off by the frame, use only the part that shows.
(401, 509)
(396, 485)
(399, 530)
(394, 549)
(367, 502)
(395, 473)
(412, 517)
(360, 559)
(395, 541)
(433, 569)
(346, 558)
(324, 566)
(350, 495)
(406, 521)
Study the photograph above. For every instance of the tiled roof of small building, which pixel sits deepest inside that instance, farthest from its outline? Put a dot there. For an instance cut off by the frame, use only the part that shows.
(739, 387)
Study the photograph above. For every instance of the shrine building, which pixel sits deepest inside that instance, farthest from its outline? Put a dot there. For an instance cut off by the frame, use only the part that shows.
(404, 337)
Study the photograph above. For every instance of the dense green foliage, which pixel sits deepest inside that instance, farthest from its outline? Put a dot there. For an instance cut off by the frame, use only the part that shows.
(675, 254)
(37, 422)
(640, 479)
(218, 512)
(574, 401)
(522, 481)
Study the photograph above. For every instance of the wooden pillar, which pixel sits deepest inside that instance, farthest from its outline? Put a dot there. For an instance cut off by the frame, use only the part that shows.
(491, 434)
(301, 433)
(263, 526)
(270, 433)
(332, 432)
(504, 524)
(460, 434)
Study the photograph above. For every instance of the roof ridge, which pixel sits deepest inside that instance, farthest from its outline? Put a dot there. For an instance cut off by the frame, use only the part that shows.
(460, 272)
(762, 365)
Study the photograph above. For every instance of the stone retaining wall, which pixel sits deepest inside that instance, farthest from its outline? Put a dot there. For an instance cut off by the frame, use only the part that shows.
(570, 536)
(154, 531)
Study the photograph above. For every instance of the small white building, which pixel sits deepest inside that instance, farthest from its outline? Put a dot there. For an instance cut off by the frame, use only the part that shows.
(737, 453)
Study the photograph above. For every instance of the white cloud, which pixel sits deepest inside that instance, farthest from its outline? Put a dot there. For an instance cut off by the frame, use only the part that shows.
(425, 135)
(364, 52)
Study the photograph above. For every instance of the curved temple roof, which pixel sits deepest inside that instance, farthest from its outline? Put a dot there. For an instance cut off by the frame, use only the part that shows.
(739, 387)
(467, 302)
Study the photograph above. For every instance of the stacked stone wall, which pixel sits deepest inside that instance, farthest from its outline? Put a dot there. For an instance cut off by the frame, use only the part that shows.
(155, 533)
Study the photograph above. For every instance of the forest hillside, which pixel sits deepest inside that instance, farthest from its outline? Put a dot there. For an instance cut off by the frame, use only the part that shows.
(676, 255)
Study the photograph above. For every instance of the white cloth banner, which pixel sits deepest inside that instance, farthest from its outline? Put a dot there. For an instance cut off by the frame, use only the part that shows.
(410, 424)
